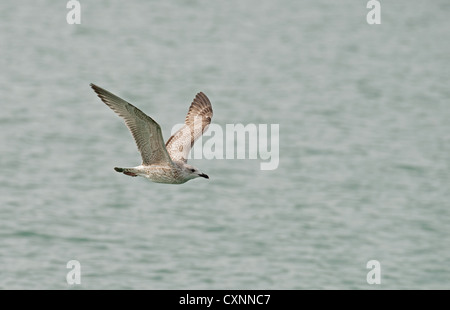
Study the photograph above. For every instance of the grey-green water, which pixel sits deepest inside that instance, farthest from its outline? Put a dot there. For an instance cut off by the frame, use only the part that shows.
(364, 145)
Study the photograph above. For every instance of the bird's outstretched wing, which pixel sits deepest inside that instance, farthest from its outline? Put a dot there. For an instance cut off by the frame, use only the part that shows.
(146, 132)
(197, 121)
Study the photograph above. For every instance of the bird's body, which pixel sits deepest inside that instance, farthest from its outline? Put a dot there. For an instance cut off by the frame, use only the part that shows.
(161, 163)
(159, 173)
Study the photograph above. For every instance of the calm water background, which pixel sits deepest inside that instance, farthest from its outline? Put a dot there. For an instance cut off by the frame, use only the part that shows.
(364, 171)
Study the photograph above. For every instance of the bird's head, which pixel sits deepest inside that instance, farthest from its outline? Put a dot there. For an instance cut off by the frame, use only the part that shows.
(191, 172)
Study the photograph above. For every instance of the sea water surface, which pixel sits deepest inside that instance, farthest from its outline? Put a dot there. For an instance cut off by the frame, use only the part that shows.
(364, 142)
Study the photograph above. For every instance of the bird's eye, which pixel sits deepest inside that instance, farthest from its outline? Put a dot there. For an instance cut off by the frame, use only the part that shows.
(192, 170)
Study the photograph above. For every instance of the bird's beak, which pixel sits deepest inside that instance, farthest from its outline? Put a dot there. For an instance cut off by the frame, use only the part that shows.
(203, 175)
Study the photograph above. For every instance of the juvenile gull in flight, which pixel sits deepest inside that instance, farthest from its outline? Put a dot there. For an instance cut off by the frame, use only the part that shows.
(162, 163)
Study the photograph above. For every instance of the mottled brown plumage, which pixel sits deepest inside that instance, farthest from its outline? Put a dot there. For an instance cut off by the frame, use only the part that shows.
(162, 163)
(196, 123)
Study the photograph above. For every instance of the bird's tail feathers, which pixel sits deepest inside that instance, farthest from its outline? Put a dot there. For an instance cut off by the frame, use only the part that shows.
(127, 171)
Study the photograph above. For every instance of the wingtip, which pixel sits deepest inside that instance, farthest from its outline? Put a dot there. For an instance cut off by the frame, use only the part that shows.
(97, 89)
(202, 98)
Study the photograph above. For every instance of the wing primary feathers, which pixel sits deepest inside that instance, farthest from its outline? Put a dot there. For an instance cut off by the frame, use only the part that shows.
(196, 122)
(146, 132)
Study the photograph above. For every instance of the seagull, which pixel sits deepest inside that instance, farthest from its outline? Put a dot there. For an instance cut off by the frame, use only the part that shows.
(161, 163)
